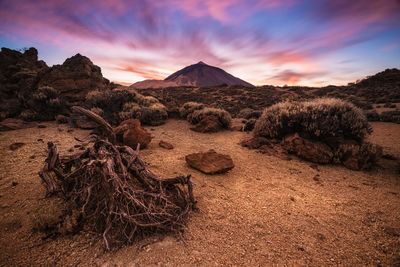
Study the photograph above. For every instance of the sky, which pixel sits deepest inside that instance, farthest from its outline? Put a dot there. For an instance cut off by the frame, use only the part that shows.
(278, 42)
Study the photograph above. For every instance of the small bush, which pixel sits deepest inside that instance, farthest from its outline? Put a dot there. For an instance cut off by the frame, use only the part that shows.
(319, 118)
(189, 107)
(130, 110)
(154, 115)
(391, 116)
(44, 104)
(146, 101)
(372, 116)
(223, 116)
(248, 113)
(28, 115)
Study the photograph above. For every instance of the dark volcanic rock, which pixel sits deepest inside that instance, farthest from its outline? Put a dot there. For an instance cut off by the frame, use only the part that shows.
(210, 162)
(18, 78)
(74, 78)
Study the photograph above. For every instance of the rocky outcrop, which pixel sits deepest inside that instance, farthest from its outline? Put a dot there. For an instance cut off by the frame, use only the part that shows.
(353, 155)
(210, 162)
(18, 78)
(313, 151)
(74, 78)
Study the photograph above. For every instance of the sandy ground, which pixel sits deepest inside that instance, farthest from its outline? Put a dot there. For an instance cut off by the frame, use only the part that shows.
(266, 211)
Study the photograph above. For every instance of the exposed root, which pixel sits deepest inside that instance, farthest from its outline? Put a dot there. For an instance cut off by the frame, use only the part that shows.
(116, 194)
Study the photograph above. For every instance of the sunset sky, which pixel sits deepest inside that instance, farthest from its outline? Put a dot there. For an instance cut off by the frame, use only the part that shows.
(310, 42)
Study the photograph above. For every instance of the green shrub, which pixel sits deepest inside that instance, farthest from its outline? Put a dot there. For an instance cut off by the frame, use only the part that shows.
(223, 116)
(189, 107)
(319, 118)
(156, 114)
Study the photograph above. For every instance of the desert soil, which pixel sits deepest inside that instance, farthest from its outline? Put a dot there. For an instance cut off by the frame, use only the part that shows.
(268, 210)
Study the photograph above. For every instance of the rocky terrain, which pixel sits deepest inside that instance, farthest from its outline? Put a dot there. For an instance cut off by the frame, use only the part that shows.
(213, 171)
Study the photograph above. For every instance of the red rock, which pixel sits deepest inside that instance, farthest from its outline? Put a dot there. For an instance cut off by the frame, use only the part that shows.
(256, 142)
(133, 134)
(310, 150)
(165, 145)
(210, 162)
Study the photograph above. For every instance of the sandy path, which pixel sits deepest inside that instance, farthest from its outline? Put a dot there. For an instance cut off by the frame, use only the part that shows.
(265, 211)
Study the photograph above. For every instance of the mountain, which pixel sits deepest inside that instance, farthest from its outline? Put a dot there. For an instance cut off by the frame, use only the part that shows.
(203, 75)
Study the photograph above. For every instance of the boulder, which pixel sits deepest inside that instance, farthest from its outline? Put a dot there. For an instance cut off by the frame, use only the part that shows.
(209, 124)
(133, 134)
(210, 162)
(313, 151)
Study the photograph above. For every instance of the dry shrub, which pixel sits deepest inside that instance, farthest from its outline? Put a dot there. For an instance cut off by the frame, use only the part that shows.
(319, 118)
(249, 113)
(119, 105)
(390, 116)
(189, 107)
(155, 114)
(130, 110)
(146, 100)
(44, 104)
(223, 116)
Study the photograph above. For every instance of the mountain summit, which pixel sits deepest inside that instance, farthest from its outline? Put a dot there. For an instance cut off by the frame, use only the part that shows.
(202, 75)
